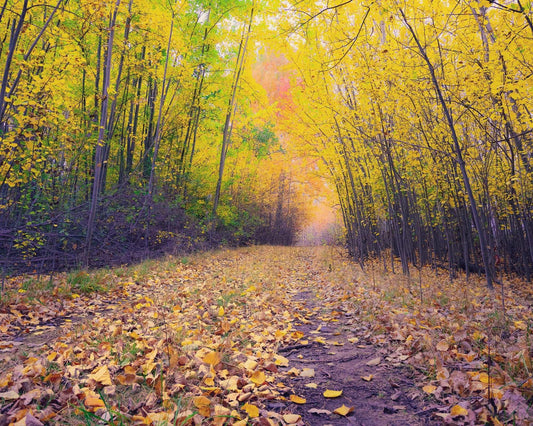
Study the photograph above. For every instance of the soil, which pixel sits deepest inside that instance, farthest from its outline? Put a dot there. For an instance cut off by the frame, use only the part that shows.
(388, 396)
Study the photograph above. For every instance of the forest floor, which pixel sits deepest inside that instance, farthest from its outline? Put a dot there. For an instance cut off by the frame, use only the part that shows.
(264, 335)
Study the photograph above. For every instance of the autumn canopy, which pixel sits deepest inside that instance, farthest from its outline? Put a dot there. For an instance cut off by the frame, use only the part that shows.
(134, 126)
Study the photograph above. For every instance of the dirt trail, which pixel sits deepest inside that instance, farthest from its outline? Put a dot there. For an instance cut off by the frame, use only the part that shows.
(339, 353)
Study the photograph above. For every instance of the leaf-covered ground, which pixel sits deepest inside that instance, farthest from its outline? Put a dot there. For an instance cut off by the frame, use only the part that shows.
(263, 335)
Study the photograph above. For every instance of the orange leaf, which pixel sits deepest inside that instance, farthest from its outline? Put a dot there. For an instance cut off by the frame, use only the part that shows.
(212, 358)
(343, 410)
(202, 403)
(92, 402)
(429, 389)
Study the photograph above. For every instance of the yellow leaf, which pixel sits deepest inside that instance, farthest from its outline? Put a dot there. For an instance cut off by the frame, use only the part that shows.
(293, 372)
(311, 385)
(258, 378)
(443, 346)
(251, 410)
(101, 375)
(429, 389)
(291, 418)
(250, 364)
(521, 325)
(221, 311)
(457, 410)
(297, 399)
(367, 378)
(160, 418)
(211, 358)
(343, 410)
(332, 393)
(281, 361)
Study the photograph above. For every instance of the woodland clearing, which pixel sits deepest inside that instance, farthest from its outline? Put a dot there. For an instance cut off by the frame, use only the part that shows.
(263, 335)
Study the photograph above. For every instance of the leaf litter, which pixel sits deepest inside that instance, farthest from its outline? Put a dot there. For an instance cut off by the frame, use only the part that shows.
(259, 336)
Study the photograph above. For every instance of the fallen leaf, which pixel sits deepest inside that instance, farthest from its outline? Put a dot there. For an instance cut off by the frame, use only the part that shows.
(251, 410)
(367, 378)
(281, 361)
(307, 372)
(311, 385)
(250, 364)
(202, 403)
(343, 410)
(443, 346)
(101, 375)
(429, 389)
(373, 362)
(457, 410)
(332, 393)
(212, 358)
(291, 418)
(9, 395)
(293, 372)
(220, 415)
(319, 411)
(258, 377)
(93, 402)
(297, 399)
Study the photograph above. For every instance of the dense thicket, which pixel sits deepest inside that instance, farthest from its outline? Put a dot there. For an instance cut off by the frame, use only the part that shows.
(423, 114)
(118, 119)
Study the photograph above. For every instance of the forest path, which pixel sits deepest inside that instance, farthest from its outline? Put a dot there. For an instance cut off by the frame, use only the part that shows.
(238, 336)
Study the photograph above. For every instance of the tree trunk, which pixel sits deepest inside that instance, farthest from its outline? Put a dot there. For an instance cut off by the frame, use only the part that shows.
(102, 137)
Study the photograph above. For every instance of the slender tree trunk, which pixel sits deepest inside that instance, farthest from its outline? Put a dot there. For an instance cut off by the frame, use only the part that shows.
(231, 110)
(159, 125)
(102, 138)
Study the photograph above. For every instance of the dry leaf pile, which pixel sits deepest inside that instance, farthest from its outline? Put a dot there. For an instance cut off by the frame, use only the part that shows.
(176, 342)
